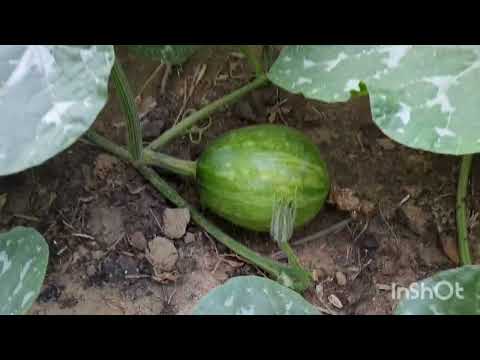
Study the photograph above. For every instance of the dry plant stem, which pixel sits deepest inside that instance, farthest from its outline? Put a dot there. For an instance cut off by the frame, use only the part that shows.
(149, 80)
(134, 130)
(166, 75)
(321, 234)
(183, 126)
(333, 229)
(301, 280)
(462, 228)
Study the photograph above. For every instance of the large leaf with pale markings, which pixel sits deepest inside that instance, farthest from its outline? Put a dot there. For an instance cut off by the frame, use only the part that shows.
(49, 96)
(451, 292)
(253, 295)
(423, 96)
(23, 263)
(170, 54)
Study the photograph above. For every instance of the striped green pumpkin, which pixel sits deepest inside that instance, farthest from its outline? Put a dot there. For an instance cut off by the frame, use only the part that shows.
(242, 172)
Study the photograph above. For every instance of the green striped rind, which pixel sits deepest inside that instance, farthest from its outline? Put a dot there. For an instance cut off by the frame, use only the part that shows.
(242, 173)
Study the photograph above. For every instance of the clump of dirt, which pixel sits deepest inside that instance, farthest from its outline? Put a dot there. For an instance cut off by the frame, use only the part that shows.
(175, 222)
(162, 254)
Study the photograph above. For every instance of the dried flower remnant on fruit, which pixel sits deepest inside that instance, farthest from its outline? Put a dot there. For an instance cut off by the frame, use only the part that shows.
(283, 220)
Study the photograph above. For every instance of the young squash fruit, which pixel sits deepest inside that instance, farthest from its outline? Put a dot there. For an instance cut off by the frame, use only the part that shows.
(243, 173)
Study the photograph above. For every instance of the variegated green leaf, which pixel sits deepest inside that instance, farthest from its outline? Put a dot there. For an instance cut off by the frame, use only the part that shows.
(23, 263)
(451, 292)
(49, 96)
(423, 96)
(253, 295)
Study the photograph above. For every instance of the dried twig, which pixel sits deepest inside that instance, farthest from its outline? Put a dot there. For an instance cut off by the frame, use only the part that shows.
(321, 234)
(138, 99)
(166, 75)
(365, 227)
(85, 236)
(197, 77)
(27, 217)
(156, 220)
(362, 267)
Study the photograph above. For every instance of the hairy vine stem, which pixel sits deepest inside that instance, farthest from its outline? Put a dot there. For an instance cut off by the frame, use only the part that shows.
(462, 228)
(134, 129)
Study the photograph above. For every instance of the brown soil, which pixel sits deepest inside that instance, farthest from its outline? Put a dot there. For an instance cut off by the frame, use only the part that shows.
(93, 209)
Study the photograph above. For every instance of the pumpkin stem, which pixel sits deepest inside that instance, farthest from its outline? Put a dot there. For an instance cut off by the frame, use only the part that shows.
(283, 219)
(170, 163)
(282, 226)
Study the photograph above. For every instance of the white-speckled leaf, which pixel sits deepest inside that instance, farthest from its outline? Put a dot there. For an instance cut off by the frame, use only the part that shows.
(253, 295)
(23, 263)
(423, 96)
(49, 96)
(451, 292)
(171, 54)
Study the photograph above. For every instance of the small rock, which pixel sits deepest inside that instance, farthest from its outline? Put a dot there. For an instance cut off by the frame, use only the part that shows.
(341, 278)
(175, 222)
(162, 254)
(138, 241)
(189, 238)
(416, 219)
(335, 301)
(91, 270)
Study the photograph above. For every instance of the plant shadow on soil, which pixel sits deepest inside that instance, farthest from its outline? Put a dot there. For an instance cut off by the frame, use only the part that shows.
(92, 208)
